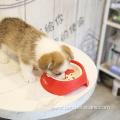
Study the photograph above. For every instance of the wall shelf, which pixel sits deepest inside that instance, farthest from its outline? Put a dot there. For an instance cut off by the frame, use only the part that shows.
(112, 24)
(105, 68)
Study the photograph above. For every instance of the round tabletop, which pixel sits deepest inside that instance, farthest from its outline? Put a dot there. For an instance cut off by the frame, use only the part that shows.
(21, 101)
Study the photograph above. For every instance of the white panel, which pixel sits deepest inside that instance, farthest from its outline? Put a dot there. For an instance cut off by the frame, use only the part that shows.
(40, 14)
(12, 8)
(87, 36)
(65, 20)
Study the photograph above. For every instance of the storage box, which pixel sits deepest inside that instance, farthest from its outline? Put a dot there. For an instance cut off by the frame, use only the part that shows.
(116, 88)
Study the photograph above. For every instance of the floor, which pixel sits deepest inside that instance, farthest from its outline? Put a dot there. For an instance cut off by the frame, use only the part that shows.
(101, 97)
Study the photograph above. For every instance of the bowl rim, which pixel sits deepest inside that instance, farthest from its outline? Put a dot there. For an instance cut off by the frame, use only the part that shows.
(72, 61)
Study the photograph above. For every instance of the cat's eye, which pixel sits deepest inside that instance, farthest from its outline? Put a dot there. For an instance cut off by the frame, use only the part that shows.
(58, 73)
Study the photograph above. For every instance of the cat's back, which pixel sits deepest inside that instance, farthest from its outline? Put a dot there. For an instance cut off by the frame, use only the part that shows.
(13, 25)
(16, 29)
(17, 34)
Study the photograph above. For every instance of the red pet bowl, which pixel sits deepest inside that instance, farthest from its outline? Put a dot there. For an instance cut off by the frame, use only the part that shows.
(62, 87)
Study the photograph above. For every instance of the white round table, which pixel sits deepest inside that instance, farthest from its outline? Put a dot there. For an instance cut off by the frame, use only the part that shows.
(29, 101)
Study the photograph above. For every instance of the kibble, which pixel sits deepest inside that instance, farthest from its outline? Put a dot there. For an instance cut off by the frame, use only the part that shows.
(73, 77)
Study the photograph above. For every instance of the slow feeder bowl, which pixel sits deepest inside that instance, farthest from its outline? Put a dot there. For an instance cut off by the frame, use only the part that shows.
(75, 77)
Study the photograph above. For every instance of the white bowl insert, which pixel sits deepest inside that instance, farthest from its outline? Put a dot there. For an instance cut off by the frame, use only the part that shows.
(71, 76)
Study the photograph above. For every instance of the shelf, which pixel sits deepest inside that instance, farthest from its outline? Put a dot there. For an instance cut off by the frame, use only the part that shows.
(105, 68)
(115, 6)
(115, 25)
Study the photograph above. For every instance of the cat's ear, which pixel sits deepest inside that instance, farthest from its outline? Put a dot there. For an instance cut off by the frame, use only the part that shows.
(67, 50)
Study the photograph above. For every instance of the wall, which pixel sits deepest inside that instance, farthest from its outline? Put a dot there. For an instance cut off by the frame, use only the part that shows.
(76, 22)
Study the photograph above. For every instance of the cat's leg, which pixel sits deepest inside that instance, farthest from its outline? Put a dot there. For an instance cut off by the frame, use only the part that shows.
(26, 70)
(4, 58)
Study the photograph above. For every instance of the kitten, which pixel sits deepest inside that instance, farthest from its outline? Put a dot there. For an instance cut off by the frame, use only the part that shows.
(33, 48)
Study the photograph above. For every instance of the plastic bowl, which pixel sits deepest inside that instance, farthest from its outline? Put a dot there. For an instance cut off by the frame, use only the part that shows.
(62, 87)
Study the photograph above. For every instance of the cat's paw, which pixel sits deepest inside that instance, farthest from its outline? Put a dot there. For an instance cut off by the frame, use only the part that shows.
(30, 78)
(4, 59)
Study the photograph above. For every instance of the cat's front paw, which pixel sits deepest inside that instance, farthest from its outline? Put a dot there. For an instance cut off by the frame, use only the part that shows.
(30, 78)
(4, 59)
